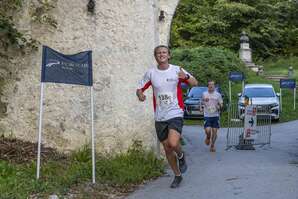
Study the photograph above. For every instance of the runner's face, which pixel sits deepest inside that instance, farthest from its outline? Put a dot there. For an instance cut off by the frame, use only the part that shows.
(211, 86)
(162, 55)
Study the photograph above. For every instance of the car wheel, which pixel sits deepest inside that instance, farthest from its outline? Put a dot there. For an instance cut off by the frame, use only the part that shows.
(275, 120)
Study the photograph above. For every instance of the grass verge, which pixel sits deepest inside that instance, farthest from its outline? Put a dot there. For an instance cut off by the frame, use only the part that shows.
(120, 172)
(280, 66)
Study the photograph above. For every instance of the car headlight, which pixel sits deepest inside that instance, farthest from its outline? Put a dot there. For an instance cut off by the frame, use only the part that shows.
(274, 105)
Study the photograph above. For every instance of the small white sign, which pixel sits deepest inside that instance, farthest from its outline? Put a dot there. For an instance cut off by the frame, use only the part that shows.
(245, 45)
(250, 122)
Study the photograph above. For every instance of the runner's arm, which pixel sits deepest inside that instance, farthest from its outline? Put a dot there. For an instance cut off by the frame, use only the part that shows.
(220, 101)
(143, 85)
(203, 101)
(186, 77)
(192, 81)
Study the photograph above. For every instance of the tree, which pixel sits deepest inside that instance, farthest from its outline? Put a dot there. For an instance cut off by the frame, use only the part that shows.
(272, 25)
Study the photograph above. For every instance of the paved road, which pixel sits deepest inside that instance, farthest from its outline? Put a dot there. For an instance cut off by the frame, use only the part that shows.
(270, 172)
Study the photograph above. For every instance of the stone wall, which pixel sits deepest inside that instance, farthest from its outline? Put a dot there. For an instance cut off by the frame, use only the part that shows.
(122, 36)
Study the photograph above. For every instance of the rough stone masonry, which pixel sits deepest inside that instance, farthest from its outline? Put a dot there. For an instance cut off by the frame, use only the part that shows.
(122, 35)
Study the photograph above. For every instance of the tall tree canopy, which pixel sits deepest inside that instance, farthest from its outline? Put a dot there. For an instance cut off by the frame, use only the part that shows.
(272, 25)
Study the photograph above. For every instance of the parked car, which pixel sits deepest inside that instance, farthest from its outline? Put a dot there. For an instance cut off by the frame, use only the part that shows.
(263, 96)
(193, 107)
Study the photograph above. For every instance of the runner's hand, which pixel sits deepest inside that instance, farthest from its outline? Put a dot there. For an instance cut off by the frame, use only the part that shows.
(218, 108)
(141, 96)
(182, 74)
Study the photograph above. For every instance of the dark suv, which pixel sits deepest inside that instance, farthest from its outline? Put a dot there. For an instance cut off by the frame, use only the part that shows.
(193, 107)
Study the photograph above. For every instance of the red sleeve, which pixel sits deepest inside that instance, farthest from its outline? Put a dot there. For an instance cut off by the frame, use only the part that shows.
(145, 83)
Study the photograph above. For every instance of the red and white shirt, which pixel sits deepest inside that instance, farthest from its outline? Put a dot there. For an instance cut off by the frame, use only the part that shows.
(167, 92)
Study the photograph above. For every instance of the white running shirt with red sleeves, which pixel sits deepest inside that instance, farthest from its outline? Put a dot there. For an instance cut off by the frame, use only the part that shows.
(167, 91)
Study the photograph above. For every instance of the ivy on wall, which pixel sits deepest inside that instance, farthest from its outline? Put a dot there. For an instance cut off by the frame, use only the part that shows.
(39, 12)
(10, 36)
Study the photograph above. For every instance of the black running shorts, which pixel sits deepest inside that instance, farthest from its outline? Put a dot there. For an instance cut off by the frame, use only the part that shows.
(162, 128)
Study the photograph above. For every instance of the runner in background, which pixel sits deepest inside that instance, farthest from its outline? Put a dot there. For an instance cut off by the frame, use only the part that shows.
(212, 102)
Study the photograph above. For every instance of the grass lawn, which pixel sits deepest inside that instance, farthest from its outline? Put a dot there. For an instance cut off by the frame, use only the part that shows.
(279, 66)
(72, 175)
(288, 113)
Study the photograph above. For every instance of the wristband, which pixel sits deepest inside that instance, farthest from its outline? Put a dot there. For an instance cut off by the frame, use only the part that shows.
(187, 77)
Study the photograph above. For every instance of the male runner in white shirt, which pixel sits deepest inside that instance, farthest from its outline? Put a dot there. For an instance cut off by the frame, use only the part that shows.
(166, 80)
(213, 102)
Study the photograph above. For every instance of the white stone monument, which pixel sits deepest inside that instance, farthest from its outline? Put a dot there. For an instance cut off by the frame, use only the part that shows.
(245, 52)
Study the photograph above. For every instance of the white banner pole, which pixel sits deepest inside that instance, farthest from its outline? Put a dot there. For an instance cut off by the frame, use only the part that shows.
(230, 92)
(242, 86)
(294, 98)
(92, 136)
(280, 100)
(39, 131)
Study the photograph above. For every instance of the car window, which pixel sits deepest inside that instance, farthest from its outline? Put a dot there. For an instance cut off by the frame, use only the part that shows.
(197, 92)
(259, 92)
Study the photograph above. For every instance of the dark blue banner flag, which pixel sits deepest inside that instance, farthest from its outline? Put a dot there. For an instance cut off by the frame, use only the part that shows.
(287, 83)
(236, 76)
(67, 69)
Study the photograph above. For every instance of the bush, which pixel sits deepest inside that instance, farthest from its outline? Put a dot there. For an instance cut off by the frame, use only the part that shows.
(208, 63)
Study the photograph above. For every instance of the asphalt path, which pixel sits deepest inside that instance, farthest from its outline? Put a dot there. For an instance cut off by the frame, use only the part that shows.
(269, 172)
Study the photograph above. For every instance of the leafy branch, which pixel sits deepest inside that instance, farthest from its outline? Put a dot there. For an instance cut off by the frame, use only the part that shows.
(10, 36)
(39, 11)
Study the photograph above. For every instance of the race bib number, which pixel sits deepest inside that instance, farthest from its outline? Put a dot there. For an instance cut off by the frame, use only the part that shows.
(212, 109)
(212, 105)
(165, 99)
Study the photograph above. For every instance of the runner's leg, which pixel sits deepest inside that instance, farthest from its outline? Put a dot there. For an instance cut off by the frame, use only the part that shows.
(171, 156)
(208, 135)
(207, 129)
(213, 139)
(215, 127)
(162, 133)
(174, 141)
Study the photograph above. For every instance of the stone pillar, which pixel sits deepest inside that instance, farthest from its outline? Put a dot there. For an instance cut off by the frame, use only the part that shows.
(290, 72)
(245, 52)
(166, 12)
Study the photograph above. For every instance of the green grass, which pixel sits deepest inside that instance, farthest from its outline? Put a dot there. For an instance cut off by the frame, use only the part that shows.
(279, 66)
(122, 170)
(287, 114)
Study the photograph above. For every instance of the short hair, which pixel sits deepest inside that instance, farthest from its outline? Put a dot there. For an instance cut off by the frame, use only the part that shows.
(162, 46)
(210, 80)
